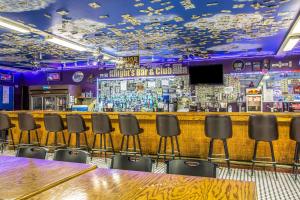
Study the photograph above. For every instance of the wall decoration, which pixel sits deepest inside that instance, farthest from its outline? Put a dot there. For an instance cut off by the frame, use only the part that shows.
(256, 66)
(78, 77)
(238, 65)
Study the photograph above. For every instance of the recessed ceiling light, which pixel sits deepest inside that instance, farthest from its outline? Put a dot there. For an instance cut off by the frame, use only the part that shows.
(13, 26)
(291, 44)
(65, 43)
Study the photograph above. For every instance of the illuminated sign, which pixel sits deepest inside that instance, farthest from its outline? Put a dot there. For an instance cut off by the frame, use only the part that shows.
(159, 70)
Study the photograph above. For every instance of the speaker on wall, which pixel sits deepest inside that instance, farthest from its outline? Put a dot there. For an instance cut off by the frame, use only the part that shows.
(25, 98)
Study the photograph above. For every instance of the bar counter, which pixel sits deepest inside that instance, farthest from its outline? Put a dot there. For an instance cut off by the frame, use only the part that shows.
(192, 141)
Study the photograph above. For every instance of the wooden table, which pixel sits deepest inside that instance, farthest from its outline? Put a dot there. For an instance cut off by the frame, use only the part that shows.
(129, 185)
(23, 177)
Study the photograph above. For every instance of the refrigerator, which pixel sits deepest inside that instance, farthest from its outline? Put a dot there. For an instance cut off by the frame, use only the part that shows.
(49, 102)
(254, 100)
(49, 98)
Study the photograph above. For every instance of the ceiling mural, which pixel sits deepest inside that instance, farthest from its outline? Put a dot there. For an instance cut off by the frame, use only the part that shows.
(153, 29)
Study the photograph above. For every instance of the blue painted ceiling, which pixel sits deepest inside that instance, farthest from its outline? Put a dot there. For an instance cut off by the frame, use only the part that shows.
(153, 29)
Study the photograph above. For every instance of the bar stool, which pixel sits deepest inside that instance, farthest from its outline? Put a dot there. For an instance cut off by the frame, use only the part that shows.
(76, 124)
(6, 127)
(129, 127)
(263, 128)
(27, 123)
(167, 126)
(295, 135)
(54, 124)
(101, 125)
(218, 127)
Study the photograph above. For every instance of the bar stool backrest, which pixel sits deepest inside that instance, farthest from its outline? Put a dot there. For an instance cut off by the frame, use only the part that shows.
(218, 126)
(167, 125)
(53, 122)
(101, 123)
(76, 123)
(5, 122)
(123, 162)
(295, 129)
(129, 125)
(263, 127)
(192, 168)
(31, 152)
(68, 155)
(26, 122)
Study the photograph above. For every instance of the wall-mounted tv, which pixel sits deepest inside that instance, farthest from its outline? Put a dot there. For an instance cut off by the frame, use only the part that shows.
(53, 76)
(206, 74)
(6, 77)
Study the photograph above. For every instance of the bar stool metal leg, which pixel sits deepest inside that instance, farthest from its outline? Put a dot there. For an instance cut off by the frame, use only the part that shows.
(104, 138)
(112, 144)
(127, 143)
(28, 137)
(158, 151)
(211, 147)
(134, 148)
(254, 157)
(177, 143)
(86, 142)
(12, 139)
(63, 136)
(93, 147)
(55, 139)
(37, 137)
(165, 147)
(69, 140)
(273, 158)
(172, 146)
(226, 154)
(47, 138)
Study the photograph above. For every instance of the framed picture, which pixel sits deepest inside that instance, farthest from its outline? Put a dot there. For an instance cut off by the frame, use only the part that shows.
(53, 76)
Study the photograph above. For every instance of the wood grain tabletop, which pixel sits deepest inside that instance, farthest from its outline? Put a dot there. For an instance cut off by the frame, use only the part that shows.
(24, 177)
(130, 185)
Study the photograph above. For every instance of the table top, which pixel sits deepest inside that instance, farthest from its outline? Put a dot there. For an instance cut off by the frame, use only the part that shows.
(24, 177)
(129, 185)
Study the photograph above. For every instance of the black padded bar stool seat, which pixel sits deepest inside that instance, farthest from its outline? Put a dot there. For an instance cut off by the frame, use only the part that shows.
(101, 125)
(295, 135)
(124, 162)
(69, 155)
(31, 152)
(76, 124)
(263, 128)
(192, 168)
(130, 127)
(167, 126)
(6, 130)
(218, 127)
(27, 124)
(54, 124)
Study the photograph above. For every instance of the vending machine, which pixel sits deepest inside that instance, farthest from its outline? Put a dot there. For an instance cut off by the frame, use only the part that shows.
(254, 100)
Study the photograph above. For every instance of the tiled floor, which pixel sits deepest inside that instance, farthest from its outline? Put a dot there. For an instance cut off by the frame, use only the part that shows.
(268, 187)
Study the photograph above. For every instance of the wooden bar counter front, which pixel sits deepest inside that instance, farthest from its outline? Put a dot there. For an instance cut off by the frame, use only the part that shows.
(192, 141)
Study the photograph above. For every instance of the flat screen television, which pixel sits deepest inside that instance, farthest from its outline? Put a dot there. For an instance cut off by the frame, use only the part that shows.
(206, 74)
(53, 76)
